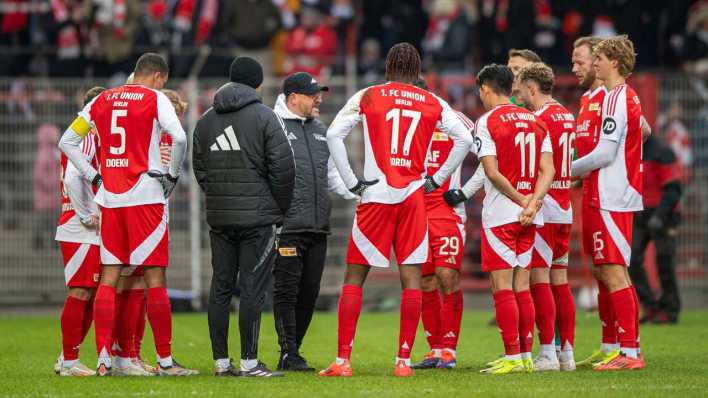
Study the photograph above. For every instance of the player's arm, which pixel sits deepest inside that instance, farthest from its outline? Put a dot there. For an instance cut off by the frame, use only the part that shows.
(78, 189)
(335, 183)
(546, 172)
(646, 128)
(454, 197)
(452, 125)
(199, 155)
(491, 170)
(167, 117)
(347, 118)
(70, 145)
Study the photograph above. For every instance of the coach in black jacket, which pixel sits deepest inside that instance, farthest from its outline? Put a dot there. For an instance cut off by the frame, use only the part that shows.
(303, 242)
(244, 164)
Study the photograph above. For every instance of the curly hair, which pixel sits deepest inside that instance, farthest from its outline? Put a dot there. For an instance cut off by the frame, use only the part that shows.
(176, 100)
(92, 93)
(403, 63)
(620, 49)
(539, 73)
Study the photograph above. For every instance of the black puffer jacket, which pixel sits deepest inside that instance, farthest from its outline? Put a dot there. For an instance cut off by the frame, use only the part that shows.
(315, 176)
(242, 160)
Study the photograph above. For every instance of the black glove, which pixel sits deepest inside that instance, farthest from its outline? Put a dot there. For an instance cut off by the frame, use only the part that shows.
(361, 186)
(97, 180)
(655, 223)
(454, 197)
(430, 184)
(166, 180)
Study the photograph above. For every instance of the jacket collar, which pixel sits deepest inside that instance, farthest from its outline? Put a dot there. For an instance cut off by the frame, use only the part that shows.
(281, 109)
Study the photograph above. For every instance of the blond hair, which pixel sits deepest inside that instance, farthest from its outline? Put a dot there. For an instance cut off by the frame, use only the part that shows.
(590, 41)
(539, 73)
(525, 54)
(176, 100)
(620, 49)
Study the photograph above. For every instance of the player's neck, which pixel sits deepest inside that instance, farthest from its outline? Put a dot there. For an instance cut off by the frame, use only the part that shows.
(498, 100)
(613, 81)
(142, 82)
(539, 102)
(595, 84)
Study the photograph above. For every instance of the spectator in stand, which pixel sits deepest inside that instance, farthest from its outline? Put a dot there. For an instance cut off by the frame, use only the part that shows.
(115, 24)
(369, 62)
(679, 139)
(446, 42)
(64, 33)
(696, 45)
(44, 184)
(311, 46)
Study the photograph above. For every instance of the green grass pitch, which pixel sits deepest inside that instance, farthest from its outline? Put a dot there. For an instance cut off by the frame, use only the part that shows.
(677, 363)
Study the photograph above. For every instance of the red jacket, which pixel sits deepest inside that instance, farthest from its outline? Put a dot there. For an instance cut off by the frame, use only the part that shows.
(310, 51)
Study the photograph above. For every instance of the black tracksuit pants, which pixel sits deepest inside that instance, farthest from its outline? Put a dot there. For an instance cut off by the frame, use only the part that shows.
(665, 244)
(298, 271)
(243, 258)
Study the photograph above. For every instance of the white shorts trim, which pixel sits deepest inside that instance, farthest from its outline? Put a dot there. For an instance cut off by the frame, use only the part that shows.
(74, 264)
(372, 255)
(616, 236)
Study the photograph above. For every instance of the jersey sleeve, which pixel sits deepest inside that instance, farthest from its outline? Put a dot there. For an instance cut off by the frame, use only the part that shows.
(614, 115)
(546, 145)
(169, 122)
(452, 124)
(483, 140)
(475, 182)
(347, 118)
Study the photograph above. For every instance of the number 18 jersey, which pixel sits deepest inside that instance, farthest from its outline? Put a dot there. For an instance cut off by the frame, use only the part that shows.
(517, 138)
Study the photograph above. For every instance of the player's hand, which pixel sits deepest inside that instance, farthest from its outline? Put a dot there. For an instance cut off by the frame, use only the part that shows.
(91, 221)
(454, 197)
(166, 180)
(361, 186)
(527, 216)
(525, 202)
(165, 154)
(655, 223)
(97, 180)
(430, 184)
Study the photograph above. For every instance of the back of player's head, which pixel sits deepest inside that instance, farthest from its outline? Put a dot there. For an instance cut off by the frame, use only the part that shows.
(525, 54)
(590, 41)
(92, 93)
(176, 100)
(497, 77)
(403, 63)
(421, 83)
(150, 63)
(620, 49)
(539, 73)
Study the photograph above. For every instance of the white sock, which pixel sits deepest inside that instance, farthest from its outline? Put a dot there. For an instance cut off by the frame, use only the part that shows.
(451, 351)
(165, 362)
(515, 357)
(567, 355)
(69, 363)
(437, 353)
(121, 362)
(407, 361)
(525, 355)
(248, 364)
(222, 363)
(607, 348)
(630, 352)
(340, 361)
(548, 350)
(102, 360)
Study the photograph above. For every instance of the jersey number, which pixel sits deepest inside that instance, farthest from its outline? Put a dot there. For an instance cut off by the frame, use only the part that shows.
(395, 115)
(566, 141)
(116, 129)
(450, 247)
(527, 139)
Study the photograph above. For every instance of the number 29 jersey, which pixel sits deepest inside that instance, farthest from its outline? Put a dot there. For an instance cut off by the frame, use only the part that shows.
(129, 120)
(517, 138)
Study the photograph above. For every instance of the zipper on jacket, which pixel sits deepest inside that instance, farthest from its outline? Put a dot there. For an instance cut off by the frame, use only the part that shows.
(314, 172)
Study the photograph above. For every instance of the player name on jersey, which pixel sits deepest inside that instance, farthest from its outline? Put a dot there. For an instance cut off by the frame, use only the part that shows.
(116, 162)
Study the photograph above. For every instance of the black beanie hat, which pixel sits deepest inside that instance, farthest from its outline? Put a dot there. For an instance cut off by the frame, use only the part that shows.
(246, 71)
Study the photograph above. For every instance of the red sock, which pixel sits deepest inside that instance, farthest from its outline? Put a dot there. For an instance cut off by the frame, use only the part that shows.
(127, 321)
(88, 319)
(411, 304)
(349, 310)
(72, 323)
(527, 316)
(565, 315)
(431, 318)
(507, 315)
(140, 327)
(545, 306)
(159, 313)
(607, 316)
(636, 315)
(116, 349)
(625, 313)
(451, 315)
(104, 312)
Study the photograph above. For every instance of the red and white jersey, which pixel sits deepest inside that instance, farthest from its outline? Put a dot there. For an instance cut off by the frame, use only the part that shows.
(129, 120)
(398, 121)
(587, 131)
(618, 187)
(561, 130)
(440, 149)
(69, 226)
(517, 138)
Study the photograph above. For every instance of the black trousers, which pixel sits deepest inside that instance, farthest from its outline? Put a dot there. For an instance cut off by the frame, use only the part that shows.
(240, 258)
(665, 243)
(298, 272)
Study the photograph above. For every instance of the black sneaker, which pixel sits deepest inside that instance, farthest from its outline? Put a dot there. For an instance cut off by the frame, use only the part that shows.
(294, 363)
(261, 370)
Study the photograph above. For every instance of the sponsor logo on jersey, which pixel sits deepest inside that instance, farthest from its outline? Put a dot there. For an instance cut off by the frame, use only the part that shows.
(319, 137)
(478, 143)
(594, 106)
(226, 141)
(609, 126)
(438, 136)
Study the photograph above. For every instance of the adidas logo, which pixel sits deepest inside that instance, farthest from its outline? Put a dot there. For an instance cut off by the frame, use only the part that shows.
(291, 136)
(620, 330)
(450, 335)
(451, 260)
(115, 347)
(599, 256)
(530, 336)
(226, 141)
(405, 346)
(427, 334)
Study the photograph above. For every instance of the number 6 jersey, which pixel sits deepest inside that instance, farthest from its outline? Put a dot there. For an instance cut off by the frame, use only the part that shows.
(129, 120)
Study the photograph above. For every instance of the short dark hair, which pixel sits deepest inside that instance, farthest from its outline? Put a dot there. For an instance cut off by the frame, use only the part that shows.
(497, 77)
(150, 63)
(403, 63)
(539, 73)
(526, 54)
(92, 93)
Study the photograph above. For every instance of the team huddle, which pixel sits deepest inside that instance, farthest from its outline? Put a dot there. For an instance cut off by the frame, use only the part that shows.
(122, 157)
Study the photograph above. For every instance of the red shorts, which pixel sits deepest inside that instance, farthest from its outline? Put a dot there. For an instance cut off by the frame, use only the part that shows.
(82, 265)
(550, 246)
(507, 246)
(377, 226)
(135, 235)
(607, 235)
(447, 239)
